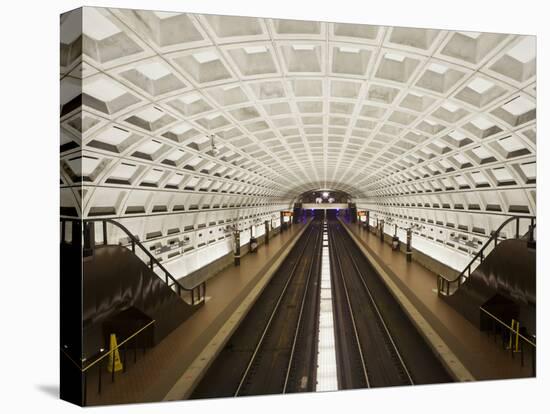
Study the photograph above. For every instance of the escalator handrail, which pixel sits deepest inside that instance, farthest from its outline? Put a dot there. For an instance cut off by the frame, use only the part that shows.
(492, 238)
(153, 259)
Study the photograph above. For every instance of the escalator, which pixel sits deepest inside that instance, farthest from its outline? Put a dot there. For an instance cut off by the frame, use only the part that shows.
(117, 292)
(504, 283)
(119, 287)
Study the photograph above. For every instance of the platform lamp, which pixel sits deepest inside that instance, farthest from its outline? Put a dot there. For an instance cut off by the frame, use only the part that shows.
(235, 231)
(253, 239)
(395, 238)
(266, 231)
(408, 251)
(273, 217)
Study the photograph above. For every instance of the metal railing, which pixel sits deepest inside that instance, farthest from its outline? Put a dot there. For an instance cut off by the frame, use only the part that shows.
(197, 292)
(512, 337)
(102, 363)
(449, 286)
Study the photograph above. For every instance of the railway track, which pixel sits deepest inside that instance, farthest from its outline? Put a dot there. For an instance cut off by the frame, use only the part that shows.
(377, 345)
(380, 363)
(273, 349)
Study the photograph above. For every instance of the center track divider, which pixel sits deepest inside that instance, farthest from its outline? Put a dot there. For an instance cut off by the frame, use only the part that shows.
(184, 387)
(450, 361)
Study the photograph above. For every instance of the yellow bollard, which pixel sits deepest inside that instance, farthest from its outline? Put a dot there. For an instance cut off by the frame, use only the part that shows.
(515, 332)
(517, 337)
(511, 334)
(114, 356)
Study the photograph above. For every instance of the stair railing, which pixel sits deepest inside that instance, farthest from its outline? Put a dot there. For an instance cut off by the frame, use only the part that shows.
(102, 364)
(197, 292)
(447, 286)
(513, 338)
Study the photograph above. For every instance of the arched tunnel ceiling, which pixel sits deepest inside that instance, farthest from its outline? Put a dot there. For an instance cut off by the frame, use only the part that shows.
(398, 117)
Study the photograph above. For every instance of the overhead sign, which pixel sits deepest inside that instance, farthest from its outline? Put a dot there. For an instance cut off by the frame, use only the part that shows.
(324, 206)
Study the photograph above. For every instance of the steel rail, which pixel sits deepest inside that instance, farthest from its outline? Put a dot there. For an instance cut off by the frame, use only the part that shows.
(302, 306)
(272, 316)
(338, 264)
(380, 317)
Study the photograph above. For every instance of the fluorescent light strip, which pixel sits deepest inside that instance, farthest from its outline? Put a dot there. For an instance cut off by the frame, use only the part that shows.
(326, 352)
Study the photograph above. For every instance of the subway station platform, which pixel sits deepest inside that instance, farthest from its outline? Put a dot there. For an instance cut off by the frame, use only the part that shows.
(479, 353)
(173, 368)
(187, 138)
(169, 369)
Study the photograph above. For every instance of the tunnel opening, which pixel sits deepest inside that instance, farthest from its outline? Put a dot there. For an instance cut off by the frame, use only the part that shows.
(324, 204)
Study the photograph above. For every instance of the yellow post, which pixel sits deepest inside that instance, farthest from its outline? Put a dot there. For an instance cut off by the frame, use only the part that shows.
(114, 356)
(517, 337)
(512, 333)
(515, 332)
